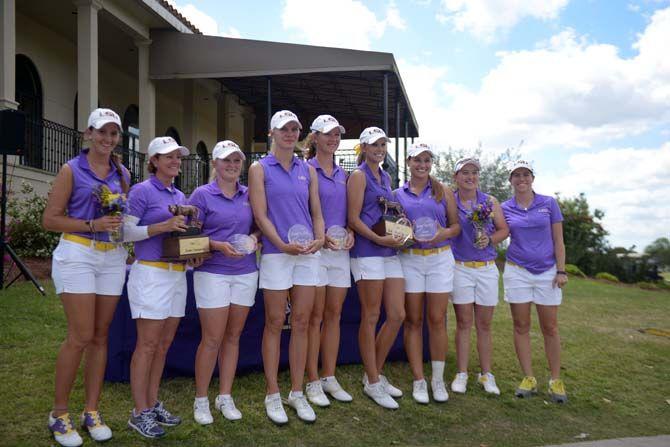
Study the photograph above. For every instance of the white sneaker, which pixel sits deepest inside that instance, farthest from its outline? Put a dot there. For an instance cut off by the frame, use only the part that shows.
(226, 406)
(299, 403)
(390, 389)
(63, 430)
(275, 410)
(93, 423)
(376, 392)
(201, 412)
(420, 391)
(316, 395)
(439, 390)
(331, 386)
(488, 381)
(460, 383)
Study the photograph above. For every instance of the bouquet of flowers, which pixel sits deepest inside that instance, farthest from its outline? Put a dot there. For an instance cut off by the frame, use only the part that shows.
(481, 217)
(111, 204)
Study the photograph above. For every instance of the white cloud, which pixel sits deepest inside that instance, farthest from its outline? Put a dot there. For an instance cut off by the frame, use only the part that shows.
(316, 27)
(203, 21)
(483, 18)
(566, 93)
(630, 185)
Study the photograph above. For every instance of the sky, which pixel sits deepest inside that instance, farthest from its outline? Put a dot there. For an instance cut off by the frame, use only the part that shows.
(581, 87)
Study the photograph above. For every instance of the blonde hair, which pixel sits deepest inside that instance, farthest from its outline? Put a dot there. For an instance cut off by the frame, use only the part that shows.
(360, 155)
(436, 193)
(309, 143)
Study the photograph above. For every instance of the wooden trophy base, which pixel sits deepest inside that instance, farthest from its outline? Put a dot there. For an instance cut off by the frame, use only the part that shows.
(183, 248)
(390, 225)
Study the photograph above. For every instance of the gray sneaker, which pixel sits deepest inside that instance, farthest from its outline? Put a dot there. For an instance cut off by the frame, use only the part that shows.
(145, 424)
(164, 417)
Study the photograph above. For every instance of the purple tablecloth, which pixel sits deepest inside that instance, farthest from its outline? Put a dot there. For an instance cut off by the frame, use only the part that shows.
(181, 357)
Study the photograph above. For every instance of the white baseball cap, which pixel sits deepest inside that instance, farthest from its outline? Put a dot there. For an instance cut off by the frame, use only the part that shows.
(417, 148)
(165, 145)
(100, 117)
(281, 118)
(521, 164)
(225, 148)
(325, 123)
(371, 134)
(460, 164)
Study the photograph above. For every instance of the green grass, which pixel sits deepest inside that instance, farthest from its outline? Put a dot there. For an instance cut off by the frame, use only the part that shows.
(616, 377)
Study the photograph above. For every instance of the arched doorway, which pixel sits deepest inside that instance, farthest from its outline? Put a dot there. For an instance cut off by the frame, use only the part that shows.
(30, 98)
(201, 150)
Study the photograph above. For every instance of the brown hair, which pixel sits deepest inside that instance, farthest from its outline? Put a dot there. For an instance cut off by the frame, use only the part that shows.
(150, 166)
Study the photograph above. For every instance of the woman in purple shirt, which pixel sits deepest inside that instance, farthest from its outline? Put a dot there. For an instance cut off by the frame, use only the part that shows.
(284, 193)
(375, 266)
(428, 267)
(534, 273)
(156, 289)
(334, 270)
(476, 275)
(88, 271)
(225, 284)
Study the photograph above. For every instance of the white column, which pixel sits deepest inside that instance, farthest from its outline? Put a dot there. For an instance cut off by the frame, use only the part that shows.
(87, 59)
(147, 94)
(8, 55)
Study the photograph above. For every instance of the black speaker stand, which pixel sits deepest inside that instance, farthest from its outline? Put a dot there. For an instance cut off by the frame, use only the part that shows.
(4, 246)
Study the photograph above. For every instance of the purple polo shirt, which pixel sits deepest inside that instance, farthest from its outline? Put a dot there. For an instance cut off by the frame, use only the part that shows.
(221, 218)
(82, 204)
(287, 197)
(149, 201)
(532, 243)
(371, 213)
(332, 194)
(423, 205)
(463, 244)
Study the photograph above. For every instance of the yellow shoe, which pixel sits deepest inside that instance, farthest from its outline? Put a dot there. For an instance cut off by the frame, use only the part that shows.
(527, 388)
(557, 391)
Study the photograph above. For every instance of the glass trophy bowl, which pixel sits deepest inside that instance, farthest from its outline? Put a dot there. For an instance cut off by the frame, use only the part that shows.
(339, 236)
(300, 234)
(425, 229)
(243, 243)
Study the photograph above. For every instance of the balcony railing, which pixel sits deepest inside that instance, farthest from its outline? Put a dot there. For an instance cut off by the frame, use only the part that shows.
(49, 145)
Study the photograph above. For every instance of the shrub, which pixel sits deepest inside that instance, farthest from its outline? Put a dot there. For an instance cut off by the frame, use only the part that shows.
(607, 277)
(573, 270)
(647, 285)
(24, 230)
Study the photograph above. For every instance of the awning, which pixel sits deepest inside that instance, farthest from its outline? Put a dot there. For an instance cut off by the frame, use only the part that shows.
(356, 87)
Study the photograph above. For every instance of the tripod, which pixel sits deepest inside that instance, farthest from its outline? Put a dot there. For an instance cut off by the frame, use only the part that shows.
(4, 246)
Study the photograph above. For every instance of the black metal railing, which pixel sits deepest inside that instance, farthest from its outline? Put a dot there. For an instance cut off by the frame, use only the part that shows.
(49, 145)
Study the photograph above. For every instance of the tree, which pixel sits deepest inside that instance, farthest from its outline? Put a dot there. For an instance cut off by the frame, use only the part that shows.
(584, 235)
(659, 250)
(494, 175)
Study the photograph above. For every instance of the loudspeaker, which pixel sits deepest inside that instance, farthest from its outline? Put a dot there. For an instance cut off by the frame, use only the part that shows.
(12, 131)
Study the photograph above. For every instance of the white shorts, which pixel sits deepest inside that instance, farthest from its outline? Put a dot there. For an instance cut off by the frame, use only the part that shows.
(334, 268)
(521, 286)
(432, 273)
(477, 285)
(281, 271)
(376, 267)
(76, 268)
(155, 293)
(214, 290)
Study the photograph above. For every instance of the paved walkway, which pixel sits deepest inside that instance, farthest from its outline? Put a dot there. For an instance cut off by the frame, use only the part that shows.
(650, 441)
